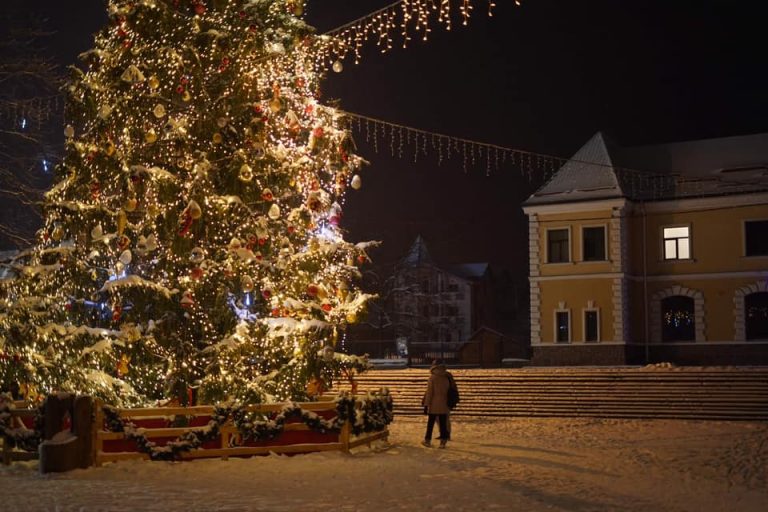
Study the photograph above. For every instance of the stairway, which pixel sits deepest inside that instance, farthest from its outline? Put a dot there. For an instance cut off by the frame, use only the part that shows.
(679, 393)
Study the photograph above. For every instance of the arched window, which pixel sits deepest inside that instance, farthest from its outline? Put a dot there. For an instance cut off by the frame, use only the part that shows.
(678, 322)
(756, 316)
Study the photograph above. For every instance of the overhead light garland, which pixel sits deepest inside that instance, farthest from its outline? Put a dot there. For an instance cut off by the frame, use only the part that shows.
(405, 19)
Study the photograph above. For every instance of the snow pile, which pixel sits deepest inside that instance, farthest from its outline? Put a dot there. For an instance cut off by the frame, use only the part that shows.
(512, 464)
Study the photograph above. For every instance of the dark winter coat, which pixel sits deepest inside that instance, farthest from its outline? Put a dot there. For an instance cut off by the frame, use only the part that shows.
(436, 397)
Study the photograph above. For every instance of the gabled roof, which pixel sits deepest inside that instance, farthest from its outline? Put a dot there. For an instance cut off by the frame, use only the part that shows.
(418, 253)
(601, 170)
(589, 174)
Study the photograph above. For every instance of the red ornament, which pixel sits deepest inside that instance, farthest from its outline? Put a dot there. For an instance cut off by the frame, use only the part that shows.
(262, 241)
(68, 306)
(117, 312)
(318, 132)
(196, 273)
(312, 290)
(266, 293)
(361, 259)
(326, 307)
(257, 109)
(276, 312)
(242, 14)
(291, 229)
(180, 89)
(199, 9)
(267, 195)
(253, 28)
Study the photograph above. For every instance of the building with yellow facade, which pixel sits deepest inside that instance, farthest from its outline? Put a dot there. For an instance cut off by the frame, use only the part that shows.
(652, 254)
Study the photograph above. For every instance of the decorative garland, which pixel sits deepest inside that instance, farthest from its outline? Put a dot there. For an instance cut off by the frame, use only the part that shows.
(19, 437)
(375, 412)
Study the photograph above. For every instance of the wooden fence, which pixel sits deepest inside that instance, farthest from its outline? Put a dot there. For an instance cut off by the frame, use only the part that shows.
(296, 437)
(23, 414)
(75, 433)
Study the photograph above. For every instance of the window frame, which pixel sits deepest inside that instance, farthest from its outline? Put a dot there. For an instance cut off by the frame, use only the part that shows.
(664, 245)
(605, 242)
(569, 244)
(744, 238)
(584, 312)
(567, 311)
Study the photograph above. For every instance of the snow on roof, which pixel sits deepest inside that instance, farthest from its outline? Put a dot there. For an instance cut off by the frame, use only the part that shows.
(467, 270)
(418, 253)
(601, 170)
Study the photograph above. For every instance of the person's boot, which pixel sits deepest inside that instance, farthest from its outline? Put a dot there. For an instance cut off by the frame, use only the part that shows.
(443, 442)
(428, 444)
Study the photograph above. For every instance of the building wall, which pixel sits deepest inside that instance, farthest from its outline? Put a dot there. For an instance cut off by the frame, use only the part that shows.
(629, 287)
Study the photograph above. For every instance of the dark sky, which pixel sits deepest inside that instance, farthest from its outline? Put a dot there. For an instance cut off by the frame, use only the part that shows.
(541, 77)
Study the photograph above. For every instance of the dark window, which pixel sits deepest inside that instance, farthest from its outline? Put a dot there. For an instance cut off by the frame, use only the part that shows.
(756, 233)
(557, 246)
(677, 319)
(677, 243)
(561, 326)
(590, 326)
(756, 315)
(593, 240)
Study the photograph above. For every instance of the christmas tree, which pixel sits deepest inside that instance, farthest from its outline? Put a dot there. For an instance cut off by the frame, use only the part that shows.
(191, 237)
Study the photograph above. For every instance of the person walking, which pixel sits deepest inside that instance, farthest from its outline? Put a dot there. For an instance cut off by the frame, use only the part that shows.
(435, 403)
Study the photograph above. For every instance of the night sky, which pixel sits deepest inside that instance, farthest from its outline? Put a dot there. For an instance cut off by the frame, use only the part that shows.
(542, 77)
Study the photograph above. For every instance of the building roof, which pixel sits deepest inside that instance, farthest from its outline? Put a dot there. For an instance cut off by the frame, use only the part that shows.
(602, 170)
(467, 270)
(418, 253)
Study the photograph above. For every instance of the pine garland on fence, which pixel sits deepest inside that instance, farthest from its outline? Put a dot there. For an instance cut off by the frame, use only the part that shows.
(19, 437)
(375, 412)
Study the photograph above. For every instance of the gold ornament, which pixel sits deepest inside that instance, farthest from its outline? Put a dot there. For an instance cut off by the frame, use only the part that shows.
(357, 182)
(122, 220)
(246, 173)
(154, 83)
(130, 204)
(216, 138)
(151, 136)
(338, 67)
(109, 149)
(159, 110)
(274, 212)
(58, 232)
(69, 131)
(275, 105)
(185, 96)
(122, 367)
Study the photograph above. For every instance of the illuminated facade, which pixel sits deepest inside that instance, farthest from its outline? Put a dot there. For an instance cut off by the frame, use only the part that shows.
(665, 264)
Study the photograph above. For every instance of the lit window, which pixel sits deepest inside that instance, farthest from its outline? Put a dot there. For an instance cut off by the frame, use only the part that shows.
(756, 315)
(562, 326)
(593, 242)
(591, 329)
(558, 246)
(756, 234)
(677, 243)
(677, 319)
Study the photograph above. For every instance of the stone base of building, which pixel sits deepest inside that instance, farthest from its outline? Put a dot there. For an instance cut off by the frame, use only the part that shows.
(699, 354)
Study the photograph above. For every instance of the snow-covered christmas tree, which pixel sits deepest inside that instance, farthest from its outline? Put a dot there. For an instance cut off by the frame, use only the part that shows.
(191, 238)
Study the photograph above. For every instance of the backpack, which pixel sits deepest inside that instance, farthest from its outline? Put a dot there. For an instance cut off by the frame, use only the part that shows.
(453, 393)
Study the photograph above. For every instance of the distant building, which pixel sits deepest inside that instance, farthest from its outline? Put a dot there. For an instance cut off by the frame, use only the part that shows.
(428, 310)
(667, 264)
(434, 303)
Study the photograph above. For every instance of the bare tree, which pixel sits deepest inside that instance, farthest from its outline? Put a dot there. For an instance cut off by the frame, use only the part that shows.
(30, 123)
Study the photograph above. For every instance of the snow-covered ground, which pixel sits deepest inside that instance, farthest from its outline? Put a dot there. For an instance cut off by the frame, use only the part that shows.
(514, 464)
